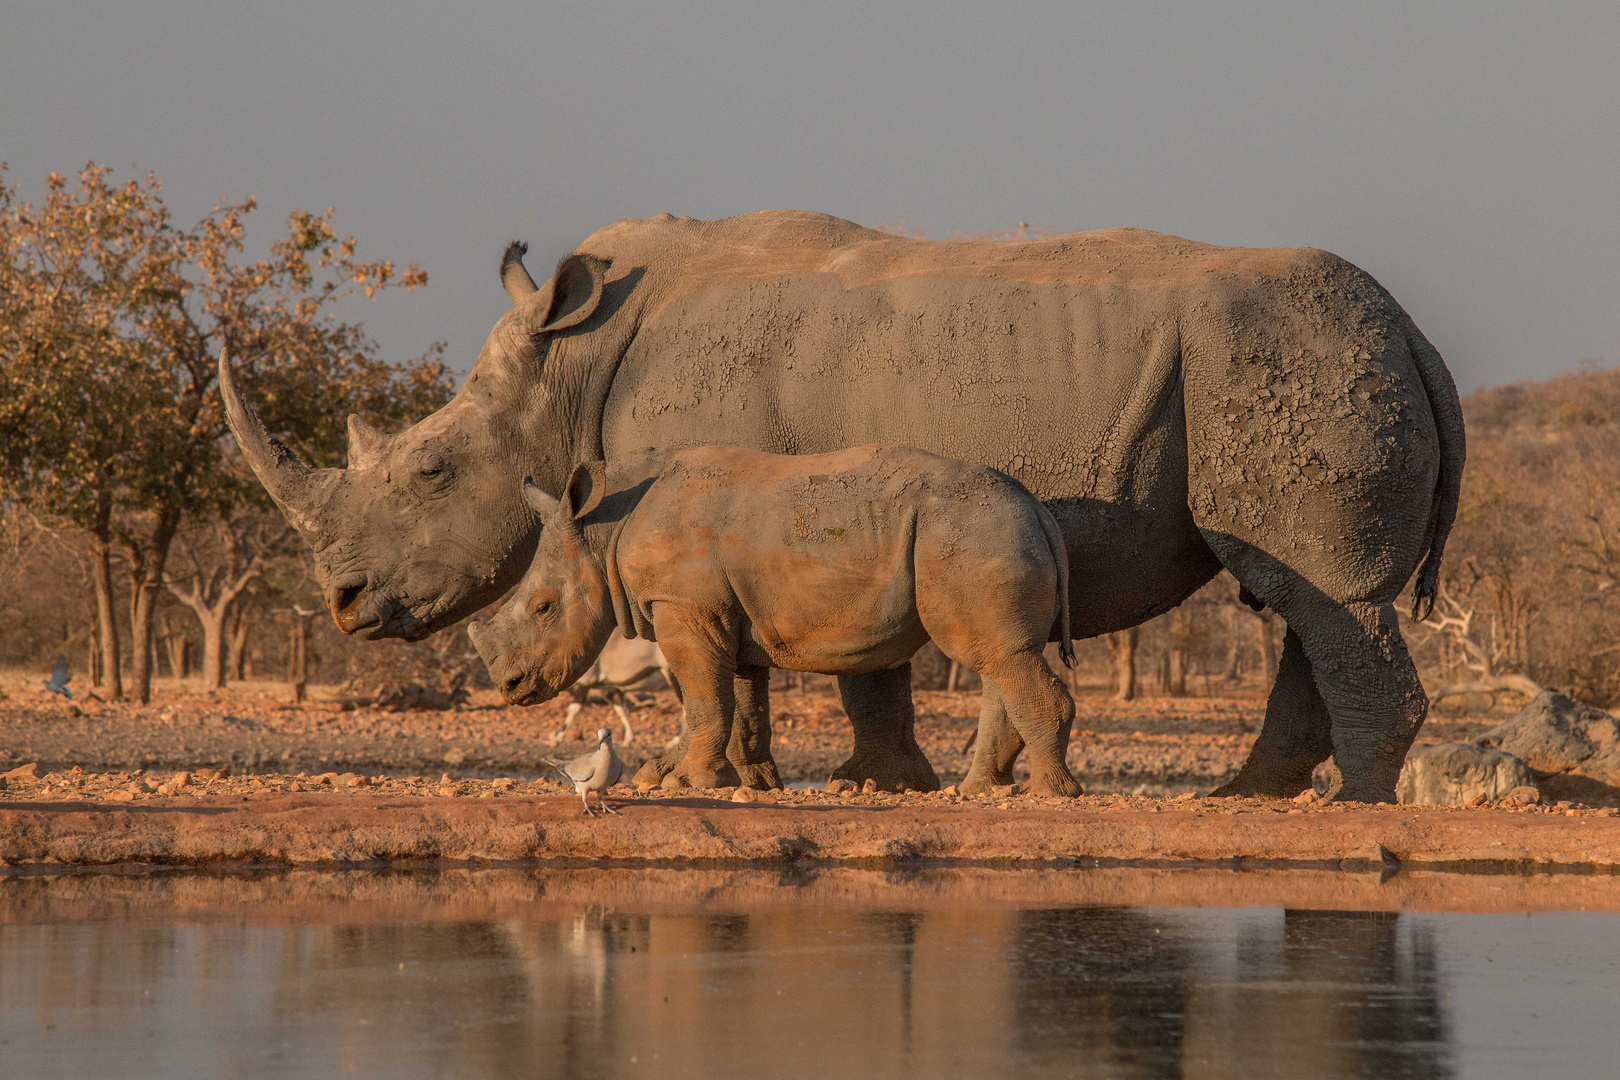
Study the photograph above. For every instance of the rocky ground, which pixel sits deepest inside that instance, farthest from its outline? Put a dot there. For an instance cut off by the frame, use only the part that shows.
(1151, 746)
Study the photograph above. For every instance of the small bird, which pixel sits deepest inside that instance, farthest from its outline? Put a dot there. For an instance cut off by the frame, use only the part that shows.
(596, 771)
(58, 682)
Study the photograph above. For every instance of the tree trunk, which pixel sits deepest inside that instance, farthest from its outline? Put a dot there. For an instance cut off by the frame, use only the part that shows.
(101, 572)
(239, 641)
(1175, 674)
(95, 652)
(1268, 648)
(213, 662)
(1234, 662)
(297, 656)
(176, 646)
(147, 581)
(1122, 644)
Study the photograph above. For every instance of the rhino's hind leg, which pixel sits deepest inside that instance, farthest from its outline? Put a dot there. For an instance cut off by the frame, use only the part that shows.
(1371, 688)
(1042, 712)
(886, 751)
(750, 748)
(1296, 737)
(996, 745)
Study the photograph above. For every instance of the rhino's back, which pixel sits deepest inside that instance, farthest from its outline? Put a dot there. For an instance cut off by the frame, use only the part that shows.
(818, 550)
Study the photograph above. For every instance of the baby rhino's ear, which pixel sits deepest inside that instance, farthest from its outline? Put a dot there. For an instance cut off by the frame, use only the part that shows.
(585, 489)
(539, 501)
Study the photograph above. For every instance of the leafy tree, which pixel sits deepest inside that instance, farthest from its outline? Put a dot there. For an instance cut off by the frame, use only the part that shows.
(113, 322)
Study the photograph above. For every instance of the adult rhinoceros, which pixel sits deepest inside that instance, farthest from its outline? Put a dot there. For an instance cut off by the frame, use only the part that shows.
(1178, 407)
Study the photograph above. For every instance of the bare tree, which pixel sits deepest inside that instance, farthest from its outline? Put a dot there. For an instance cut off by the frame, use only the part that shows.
(223, 559)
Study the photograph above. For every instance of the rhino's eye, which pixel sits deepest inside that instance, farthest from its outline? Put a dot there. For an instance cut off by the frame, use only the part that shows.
(432, 469)
(542, 606)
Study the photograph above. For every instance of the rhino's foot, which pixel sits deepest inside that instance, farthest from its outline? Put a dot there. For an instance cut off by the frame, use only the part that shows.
(655, 769)
(890, 769)
(761, 775)
(692, 774)
(1265, 783)
(978, 782)
(1054, 781)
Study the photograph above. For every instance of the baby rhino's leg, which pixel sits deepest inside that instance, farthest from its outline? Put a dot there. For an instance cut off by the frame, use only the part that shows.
(750, 748)
(996, 745)
(706, 676)
(1039, 706)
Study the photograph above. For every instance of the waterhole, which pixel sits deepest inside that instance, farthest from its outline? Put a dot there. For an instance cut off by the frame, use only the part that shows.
(608, 973)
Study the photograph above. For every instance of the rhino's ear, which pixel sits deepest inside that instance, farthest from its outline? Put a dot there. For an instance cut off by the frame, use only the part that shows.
(569, 298)
(541, 503)
(366, 444)
(586, 486)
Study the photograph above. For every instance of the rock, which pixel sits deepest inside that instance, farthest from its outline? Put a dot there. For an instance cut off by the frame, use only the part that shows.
(29, 771)
(1306, 796)
(1572, 749)
(180, 780)
(839, 786)
(948, 790)
(870, 787)
(350, 779)
(447, 791)
(645, 786)
(744, 795)
(503, 783)
(122, 796)
(455, 756)
(1004, 790)
(1524, 796)
(1451, 774)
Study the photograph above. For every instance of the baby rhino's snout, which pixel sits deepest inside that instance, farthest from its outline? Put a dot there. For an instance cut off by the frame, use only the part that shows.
(502, 656)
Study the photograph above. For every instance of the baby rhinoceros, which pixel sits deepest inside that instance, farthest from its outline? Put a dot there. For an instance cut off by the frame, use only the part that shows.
(838, 563)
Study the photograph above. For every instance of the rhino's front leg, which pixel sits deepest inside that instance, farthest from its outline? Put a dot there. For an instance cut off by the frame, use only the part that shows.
(706, 677)
(886, 751)
(750, 747)
(749, 750)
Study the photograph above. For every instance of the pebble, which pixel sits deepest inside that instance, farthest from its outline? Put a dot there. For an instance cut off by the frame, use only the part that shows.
(744, 795)
(870, 787)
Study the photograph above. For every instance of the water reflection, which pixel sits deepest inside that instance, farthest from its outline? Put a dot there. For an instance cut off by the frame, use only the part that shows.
(544, 980)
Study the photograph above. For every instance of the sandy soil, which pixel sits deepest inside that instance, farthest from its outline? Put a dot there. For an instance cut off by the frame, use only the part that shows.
(1162, 746)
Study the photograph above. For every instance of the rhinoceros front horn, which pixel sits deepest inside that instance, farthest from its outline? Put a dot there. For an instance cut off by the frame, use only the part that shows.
(299, 489)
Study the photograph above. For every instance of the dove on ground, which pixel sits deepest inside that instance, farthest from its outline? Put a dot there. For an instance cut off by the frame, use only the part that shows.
(58, 682)
(596, 771)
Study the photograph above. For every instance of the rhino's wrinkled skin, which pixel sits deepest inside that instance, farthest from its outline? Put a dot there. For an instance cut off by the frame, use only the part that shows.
(841, 563)
(1177, 406)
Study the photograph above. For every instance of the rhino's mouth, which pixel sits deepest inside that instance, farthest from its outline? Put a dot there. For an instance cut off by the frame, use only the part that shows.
(526, 688)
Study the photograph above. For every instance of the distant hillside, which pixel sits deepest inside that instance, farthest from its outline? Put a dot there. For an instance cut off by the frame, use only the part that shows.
(1536, 554)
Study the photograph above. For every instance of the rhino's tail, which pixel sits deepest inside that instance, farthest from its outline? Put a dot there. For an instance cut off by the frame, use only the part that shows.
(1446, 408)
(1060, 555)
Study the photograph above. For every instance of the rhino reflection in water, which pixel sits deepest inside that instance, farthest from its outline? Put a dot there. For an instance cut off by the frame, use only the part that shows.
(1179, 408)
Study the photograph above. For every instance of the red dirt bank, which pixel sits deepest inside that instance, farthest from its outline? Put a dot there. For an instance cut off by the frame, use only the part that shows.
(310, 828)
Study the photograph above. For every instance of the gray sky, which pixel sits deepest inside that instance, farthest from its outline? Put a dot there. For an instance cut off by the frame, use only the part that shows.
(1467, 155)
